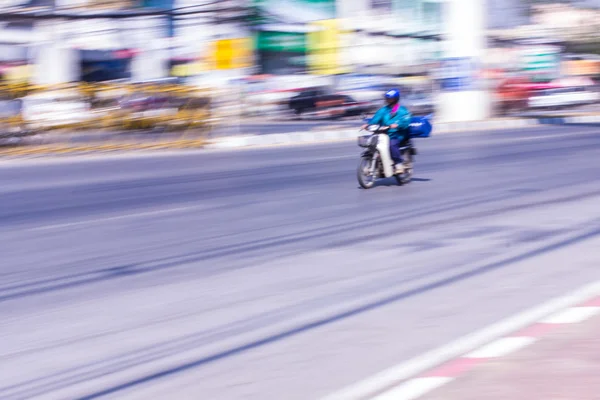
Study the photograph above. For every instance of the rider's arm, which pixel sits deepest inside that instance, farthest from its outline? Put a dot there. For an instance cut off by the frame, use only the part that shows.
(378, 117)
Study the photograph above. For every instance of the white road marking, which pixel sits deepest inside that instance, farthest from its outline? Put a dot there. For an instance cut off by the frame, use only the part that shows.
(120, 217)
(388, 378)
(100, 157)
(414, 389)
(502, 347)
(572, 315)
(495, 140)
(553, 136)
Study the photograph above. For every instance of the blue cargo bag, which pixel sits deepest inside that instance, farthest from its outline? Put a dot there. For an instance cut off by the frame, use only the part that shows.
(420, 127)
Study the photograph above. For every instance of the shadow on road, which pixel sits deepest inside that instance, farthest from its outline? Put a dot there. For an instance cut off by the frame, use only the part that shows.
(348, 314)
(332, 231)
(144, 356)
(391, 182)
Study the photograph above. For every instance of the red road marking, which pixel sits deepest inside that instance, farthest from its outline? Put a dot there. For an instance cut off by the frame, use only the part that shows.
(456, 367)
(535, 330)
(592, 303)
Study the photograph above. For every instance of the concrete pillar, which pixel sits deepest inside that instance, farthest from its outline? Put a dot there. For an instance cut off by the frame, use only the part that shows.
(152, 60)
(151, 63)
(463, 97)
(56, 64)
(55, 61)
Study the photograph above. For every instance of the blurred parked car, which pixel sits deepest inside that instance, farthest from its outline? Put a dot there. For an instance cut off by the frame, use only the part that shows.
(563, 97)
(513, 95)
(353, 107)
(306, 100)
(320, 103)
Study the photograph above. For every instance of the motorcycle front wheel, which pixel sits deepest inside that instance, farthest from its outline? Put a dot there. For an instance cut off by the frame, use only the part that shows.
(366, 177)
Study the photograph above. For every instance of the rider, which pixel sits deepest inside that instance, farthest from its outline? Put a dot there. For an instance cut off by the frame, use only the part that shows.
(398, 118)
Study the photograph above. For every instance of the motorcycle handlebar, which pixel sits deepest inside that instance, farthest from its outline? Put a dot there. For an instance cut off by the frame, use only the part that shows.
(380, 129)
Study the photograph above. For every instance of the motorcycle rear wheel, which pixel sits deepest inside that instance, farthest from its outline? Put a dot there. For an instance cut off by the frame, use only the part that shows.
(406, 177)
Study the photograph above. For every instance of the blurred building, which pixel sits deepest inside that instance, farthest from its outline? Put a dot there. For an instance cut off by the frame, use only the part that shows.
(81, 48)
(361, 36)
(211, 41)
(586, 3)
(16, 42)
(507, 14)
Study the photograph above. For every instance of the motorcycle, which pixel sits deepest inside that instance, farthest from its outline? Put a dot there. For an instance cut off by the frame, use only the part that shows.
(376, 161)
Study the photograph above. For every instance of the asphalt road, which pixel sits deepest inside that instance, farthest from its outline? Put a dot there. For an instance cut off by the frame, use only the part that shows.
(267, 274)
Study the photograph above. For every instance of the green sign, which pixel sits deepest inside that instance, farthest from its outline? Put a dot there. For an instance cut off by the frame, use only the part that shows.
(292, 42)
(292, 11)
(282, 27)
(542, 63)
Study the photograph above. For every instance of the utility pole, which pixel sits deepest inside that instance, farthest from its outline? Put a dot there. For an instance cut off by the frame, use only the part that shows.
(463, 96)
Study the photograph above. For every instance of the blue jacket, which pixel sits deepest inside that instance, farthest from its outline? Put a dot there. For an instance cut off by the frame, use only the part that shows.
(402, 118)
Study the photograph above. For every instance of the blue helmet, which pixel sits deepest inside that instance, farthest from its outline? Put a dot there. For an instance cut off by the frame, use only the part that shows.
(393, 94)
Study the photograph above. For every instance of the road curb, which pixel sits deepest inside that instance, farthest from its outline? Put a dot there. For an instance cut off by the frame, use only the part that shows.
(326, 136)
(285, 139)
(420, 376)
(99, 148)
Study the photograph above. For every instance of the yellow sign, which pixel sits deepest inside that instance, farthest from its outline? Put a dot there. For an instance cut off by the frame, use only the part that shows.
(324, 47)
(233, 53)
(187, 69)
(20, 73)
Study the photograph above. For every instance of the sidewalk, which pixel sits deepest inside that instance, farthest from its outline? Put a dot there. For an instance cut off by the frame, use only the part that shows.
(67, 142)
(563, 365)
(325, 135)
(99, 141)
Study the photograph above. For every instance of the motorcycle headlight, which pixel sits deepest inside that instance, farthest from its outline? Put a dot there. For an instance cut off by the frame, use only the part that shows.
(372, 128)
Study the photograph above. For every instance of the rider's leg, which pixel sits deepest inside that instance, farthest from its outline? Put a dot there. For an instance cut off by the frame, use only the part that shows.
(396, 155)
